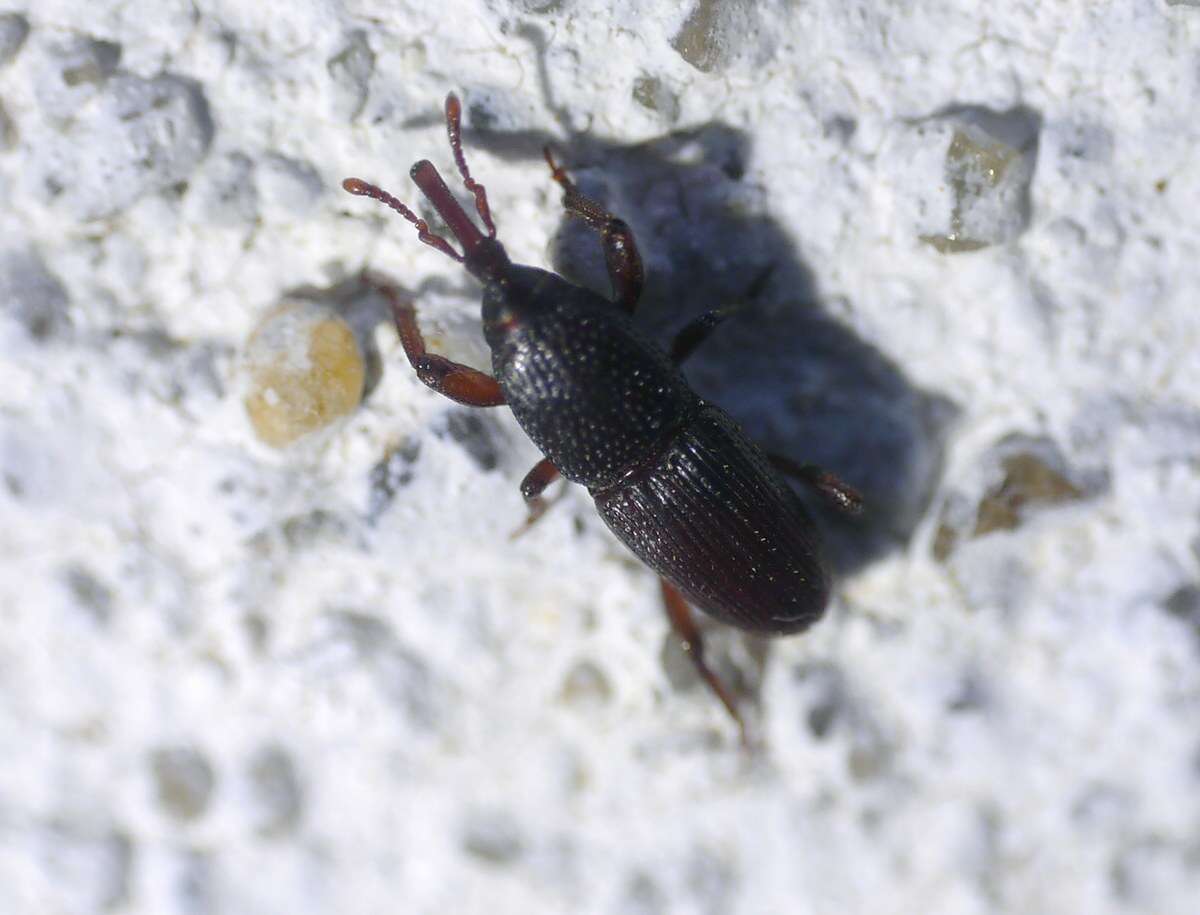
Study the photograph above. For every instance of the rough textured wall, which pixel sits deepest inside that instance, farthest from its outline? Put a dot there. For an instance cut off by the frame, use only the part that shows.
(239, 675)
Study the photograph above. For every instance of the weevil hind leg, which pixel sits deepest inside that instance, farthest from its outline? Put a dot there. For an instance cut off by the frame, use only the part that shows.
(625, 270)
(683, 622)
(459, 382)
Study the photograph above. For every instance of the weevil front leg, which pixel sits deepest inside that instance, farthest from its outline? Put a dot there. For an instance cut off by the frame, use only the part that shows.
(684, 623)
(625, 269)
(459, 382)
(542, 475)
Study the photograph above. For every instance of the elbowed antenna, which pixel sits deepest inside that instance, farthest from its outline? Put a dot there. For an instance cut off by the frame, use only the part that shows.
(361, 188)
(454, 132)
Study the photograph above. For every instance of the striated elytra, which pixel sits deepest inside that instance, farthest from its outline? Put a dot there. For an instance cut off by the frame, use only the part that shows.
(672, 476)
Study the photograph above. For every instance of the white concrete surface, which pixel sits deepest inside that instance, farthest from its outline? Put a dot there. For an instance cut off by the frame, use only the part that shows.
(239, 680)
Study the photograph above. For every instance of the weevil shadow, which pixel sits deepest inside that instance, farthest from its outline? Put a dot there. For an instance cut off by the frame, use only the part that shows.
(800, 382)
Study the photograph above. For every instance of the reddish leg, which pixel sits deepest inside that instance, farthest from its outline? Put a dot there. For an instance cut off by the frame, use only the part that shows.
(620, 250)
(451, 379)
(696, 332)
(842, 496)
(542, 475)
(684, 624)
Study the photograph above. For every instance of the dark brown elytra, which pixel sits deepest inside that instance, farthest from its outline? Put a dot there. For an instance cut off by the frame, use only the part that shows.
(671, 475)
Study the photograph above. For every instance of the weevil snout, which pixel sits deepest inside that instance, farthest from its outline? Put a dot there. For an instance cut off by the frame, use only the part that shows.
(482, 255)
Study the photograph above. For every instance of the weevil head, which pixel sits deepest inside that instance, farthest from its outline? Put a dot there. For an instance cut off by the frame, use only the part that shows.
(487, 261)
(514, 299)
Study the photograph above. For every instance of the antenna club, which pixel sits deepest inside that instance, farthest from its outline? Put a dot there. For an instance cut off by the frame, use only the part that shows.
(365, 189)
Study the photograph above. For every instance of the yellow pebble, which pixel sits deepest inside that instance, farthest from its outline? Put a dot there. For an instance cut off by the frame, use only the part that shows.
(305, 370)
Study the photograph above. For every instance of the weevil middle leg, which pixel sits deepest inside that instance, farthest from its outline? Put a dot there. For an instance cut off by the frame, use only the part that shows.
(697, 331)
